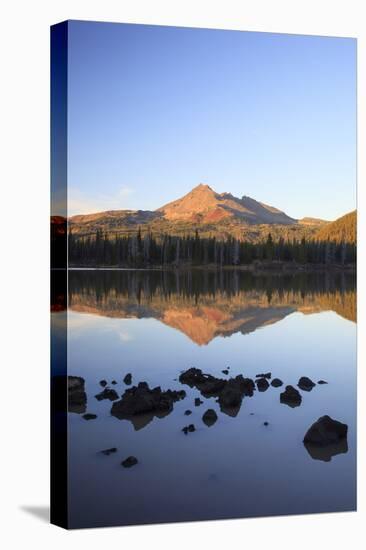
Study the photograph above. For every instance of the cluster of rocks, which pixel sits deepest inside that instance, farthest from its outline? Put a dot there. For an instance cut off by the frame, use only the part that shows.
(229, 393)
(140, 404)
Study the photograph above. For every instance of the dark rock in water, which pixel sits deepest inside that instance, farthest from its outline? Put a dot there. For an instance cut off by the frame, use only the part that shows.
(326, 438)
(265, 423)
(305, 384)
(291, 397)
(187, 412)
(188, 429)
(231, 397)
(140, 404)
(276, 383)
(326, 431)
(89, 416)
(251, 414)
(265, 375)
(103, 383)
(210, 417)
(107, 393)
(225, 371)
(128, 379)
(114, 382)
(198, 402)
(129, 461)
(76, 394)
(207, 384)
(110, 451)
(230, 392)
(322, 382)
(262, 384)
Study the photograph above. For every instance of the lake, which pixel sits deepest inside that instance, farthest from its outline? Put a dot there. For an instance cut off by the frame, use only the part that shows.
(155, 325)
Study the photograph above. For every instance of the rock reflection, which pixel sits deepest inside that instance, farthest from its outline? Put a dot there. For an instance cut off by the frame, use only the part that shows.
(328, 452)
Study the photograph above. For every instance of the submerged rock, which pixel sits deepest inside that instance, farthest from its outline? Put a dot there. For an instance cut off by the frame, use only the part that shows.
(110, 451)
(322, 382)
(326, 438)
(76, 394)
(129, 461)
(107, 393)
(276, 383)
(265, 423)
(225, 371)
(198, 402)
(305, 384)
(262, 384)
(103, 383)
(128, 379)
(140, 404)
(189, 428)
(187, 412)
(114, 382)
(210, 417)
(267, 375)
(89, 416)
(291, 397)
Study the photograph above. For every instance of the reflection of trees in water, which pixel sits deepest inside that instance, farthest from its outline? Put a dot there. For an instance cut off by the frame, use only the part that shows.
(204, 304)
(146, 284)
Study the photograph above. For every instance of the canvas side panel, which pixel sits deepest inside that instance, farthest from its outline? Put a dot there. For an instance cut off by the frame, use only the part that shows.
(59, 389)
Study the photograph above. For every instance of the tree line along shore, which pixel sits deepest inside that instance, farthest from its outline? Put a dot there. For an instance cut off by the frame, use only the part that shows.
(149, 250)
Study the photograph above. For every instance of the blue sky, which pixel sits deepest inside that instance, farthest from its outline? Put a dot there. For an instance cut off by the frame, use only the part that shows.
(154, 111)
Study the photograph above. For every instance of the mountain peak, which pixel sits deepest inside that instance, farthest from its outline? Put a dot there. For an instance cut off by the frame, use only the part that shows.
(202, 204)
(202, 187)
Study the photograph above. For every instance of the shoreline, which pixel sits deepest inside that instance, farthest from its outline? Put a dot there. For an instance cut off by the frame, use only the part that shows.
(262, 267)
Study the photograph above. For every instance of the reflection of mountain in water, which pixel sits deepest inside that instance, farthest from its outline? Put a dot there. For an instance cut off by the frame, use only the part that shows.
(207, 304)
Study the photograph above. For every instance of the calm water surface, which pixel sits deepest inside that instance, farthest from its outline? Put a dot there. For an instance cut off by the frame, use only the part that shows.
(155, 325)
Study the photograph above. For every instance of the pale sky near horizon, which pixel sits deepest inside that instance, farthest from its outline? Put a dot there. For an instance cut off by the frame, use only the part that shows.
(154, 111)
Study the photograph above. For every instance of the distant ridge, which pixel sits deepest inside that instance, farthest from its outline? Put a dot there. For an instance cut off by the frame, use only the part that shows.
(343, 229)
(204, 210)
